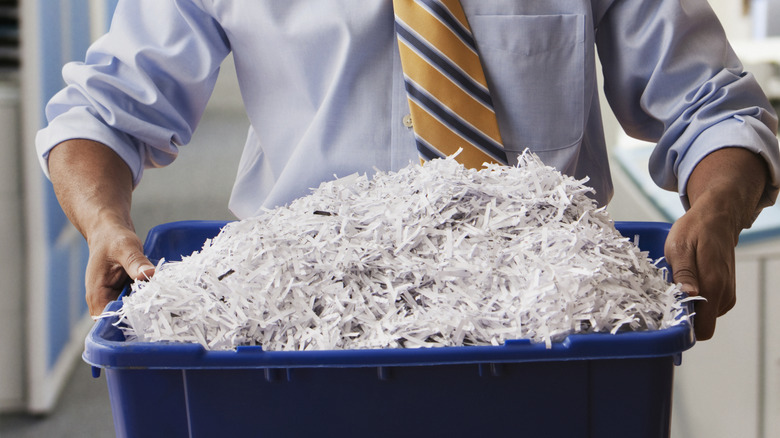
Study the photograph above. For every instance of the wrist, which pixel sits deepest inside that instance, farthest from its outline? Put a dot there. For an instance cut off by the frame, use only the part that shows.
(714, 213)
(105, 224)
(727, 186)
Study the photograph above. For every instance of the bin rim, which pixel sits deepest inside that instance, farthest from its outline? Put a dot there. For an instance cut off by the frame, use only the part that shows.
(102, 352)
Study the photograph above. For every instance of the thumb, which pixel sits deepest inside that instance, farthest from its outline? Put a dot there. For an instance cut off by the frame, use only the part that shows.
(682, 260)
(137, 266)
(687, 276)
(684, 272)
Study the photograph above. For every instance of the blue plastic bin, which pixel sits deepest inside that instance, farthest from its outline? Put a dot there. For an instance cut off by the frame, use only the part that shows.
(596, 385)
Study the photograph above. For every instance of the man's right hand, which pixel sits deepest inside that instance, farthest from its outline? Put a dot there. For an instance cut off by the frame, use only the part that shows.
(115, 257)
(94, 187)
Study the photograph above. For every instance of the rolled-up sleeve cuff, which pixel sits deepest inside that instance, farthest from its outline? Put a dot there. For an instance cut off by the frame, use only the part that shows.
(732, 133)
(77, 123)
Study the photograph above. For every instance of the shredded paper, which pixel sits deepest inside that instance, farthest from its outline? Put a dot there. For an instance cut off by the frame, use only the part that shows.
(433, 255)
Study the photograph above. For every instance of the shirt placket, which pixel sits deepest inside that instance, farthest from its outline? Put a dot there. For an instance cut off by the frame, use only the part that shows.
(403, 149)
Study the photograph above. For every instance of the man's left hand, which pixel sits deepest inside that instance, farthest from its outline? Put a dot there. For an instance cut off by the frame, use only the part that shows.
(725, 191)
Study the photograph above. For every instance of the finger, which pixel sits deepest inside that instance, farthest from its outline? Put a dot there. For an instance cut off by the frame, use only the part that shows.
(717, 284)
(720, 283)
(136, 263)
(104, 280)
(727, 306)
(115, 258)
(718, 288)
(704, 320)
(97, 302)
(682, 261)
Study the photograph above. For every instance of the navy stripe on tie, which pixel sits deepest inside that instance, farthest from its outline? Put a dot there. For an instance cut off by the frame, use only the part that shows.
(453, 122)
(445, 16)
(449, 69)
(427, 152)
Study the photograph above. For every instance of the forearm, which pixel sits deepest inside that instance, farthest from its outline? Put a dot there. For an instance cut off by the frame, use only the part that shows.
(93, 185)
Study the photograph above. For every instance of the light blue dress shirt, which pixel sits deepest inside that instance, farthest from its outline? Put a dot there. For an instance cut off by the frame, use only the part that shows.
(323, 88)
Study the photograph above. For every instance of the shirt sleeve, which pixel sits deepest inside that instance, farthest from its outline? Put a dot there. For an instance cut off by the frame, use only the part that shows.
(142, 87)
(671, 78)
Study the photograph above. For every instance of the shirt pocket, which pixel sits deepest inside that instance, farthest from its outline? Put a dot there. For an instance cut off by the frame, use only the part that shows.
(536, 71)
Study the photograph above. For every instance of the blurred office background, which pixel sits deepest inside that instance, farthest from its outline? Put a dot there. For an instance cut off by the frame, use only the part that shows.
(726, 387)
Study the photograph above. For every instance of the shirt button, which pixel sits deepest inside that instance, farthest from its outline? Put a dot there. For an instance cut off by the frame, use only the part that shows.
(408, 121)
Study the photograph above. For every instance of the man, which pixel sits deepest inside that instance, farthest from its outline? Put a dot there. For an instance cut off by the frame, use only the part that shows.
(323, 88)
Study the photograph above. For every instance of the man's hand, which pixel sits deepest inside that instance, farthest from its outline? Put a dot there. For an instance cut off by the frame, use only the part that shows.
(94, 187)
(700, 250)
(115, 257)
(724, 191)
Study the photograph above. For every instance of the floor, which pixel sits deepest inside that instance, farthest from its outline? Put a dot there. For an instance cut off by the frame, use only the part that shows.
(84, 411)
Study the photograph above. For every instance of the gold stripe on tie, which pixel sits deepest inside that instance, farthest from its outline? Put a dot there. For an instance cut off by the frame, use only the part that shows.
(448, 95)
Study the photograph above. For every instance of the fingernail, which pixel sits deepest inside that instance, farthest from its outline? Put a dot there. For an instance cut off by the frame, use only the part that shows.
(142, 270)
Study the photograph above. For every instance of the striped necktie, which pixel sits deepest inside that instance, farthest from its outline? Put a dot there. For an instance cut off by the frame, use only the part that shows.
(449, 101)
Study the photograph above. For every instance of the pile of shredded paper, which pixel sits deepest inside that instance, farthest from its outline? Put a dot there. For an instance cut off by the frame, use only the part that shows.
(433, 255)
